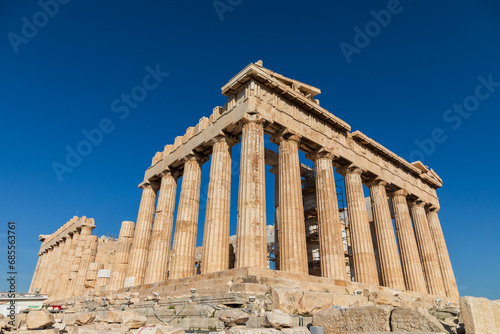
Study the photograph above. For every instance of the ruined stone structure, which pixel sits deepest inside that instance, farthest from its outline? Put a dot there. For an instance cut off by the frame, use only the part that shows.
(314, 236)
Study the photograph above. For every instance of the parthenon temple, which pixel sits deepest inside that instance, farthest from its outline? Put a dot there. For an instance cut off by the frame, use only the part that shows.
(326, 234)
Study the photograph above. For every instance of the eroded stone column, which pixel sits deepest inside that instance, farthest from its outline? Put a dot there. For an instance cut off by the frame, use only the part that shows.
(120, 260)
(91, 277)
(292, 234)
(408, 250)
(85, 233)
(450, 284)
(215, 255)
(426, 249)
(90, 250)
(390, 265)
(251, 247)
(36, 273)
(45, 270)
(51, 287)
(60, 282)
(161, 237)
(142, 236)
(331, 247)
(186, 226)
(363, 256)
(70, 260)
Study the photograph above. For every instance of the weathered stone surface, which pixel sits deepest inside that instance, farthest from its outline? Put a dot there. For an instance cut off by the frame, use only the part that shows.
(72, 329)
(60, 326)
(109, 317)
(88, 330)
(479, 315)
(277, 319)
(296, 330)
(412, 320)
(169, 330)
(69, 319)
(232, 317)
(354, 320)
(40, 331)
(84, 318)
(245, 330)
(39, 319)
(133, 320)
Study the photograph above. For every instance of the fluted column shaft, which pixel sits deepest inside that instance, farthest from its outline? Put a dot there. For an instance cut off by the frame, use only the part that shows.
(90, 250)
(45, 269)
(450, 284)
(390, 265)
(292, 236)
(161, 238)
(69, 262)
(186, 226)
(142, 236)
(331, 247)
(36, 273)
(59, 282)
(36, 283)
(427, 249)
(251, 248)
(120, 260)
(54, 269)
(215, 255)
(365, 268)
(92, 273)
(408, 250)
(85, 233)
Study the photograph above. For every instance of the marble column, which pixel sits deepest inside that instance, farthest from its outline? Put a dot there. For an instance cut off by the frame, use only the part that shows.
(51, 287)
(450, 284)
(36, 273)
(426, 249)
(85, 233)
(331, 247)
(47, 270)
(363, 256)
(59, 282)
(91, 276)
(161, 238)
(43, 274)
(70, 259)
(292, 234)
(215, 254)
(88, 257)
(120, 260)
(251, 233)
(142, 236)
(186, 226)
(275, 171)
(390, 265)
(408, 250)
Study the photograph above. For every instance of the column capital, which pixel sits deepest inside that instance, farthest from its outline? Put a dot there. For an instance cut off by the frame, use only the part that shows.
(417, 202)
(432, 208)
(176, 174)
(322, 153)
(350, 168)
(230, 139)
(252, 118)
(285, 134)
(377, 181)
(396, 193)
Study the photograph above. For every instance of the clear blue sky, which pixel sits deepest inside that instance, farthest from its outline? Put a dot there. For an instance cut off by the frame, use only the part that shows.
(396, 88)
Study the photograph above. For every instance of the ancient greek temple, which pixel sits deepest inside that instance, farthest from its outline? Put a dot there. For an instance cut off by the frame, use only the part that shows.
(395, 241)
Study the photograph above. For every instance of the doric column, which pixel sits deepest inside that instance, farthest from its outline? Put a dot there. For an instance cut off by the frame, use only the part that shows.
(410, 260)
(140, 244)
(69, 262)
(120, 260)
(44, 280)
(186, 226)
(51, 287)
(215, 255)
(363, 256)
(85, 233)
(275, 171)
(59, 282)
(91, 277)
(161, 238)
(88, 257)
(390, 265)
(426, 249)
(331, 247)
(292, 236)
(251, 234)
(450, 284)
(36, 272)
(45, 268)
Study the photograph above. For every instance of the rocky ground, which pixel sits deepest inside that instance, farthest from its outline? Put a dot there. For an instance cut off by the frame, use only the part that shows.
(362, 319)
